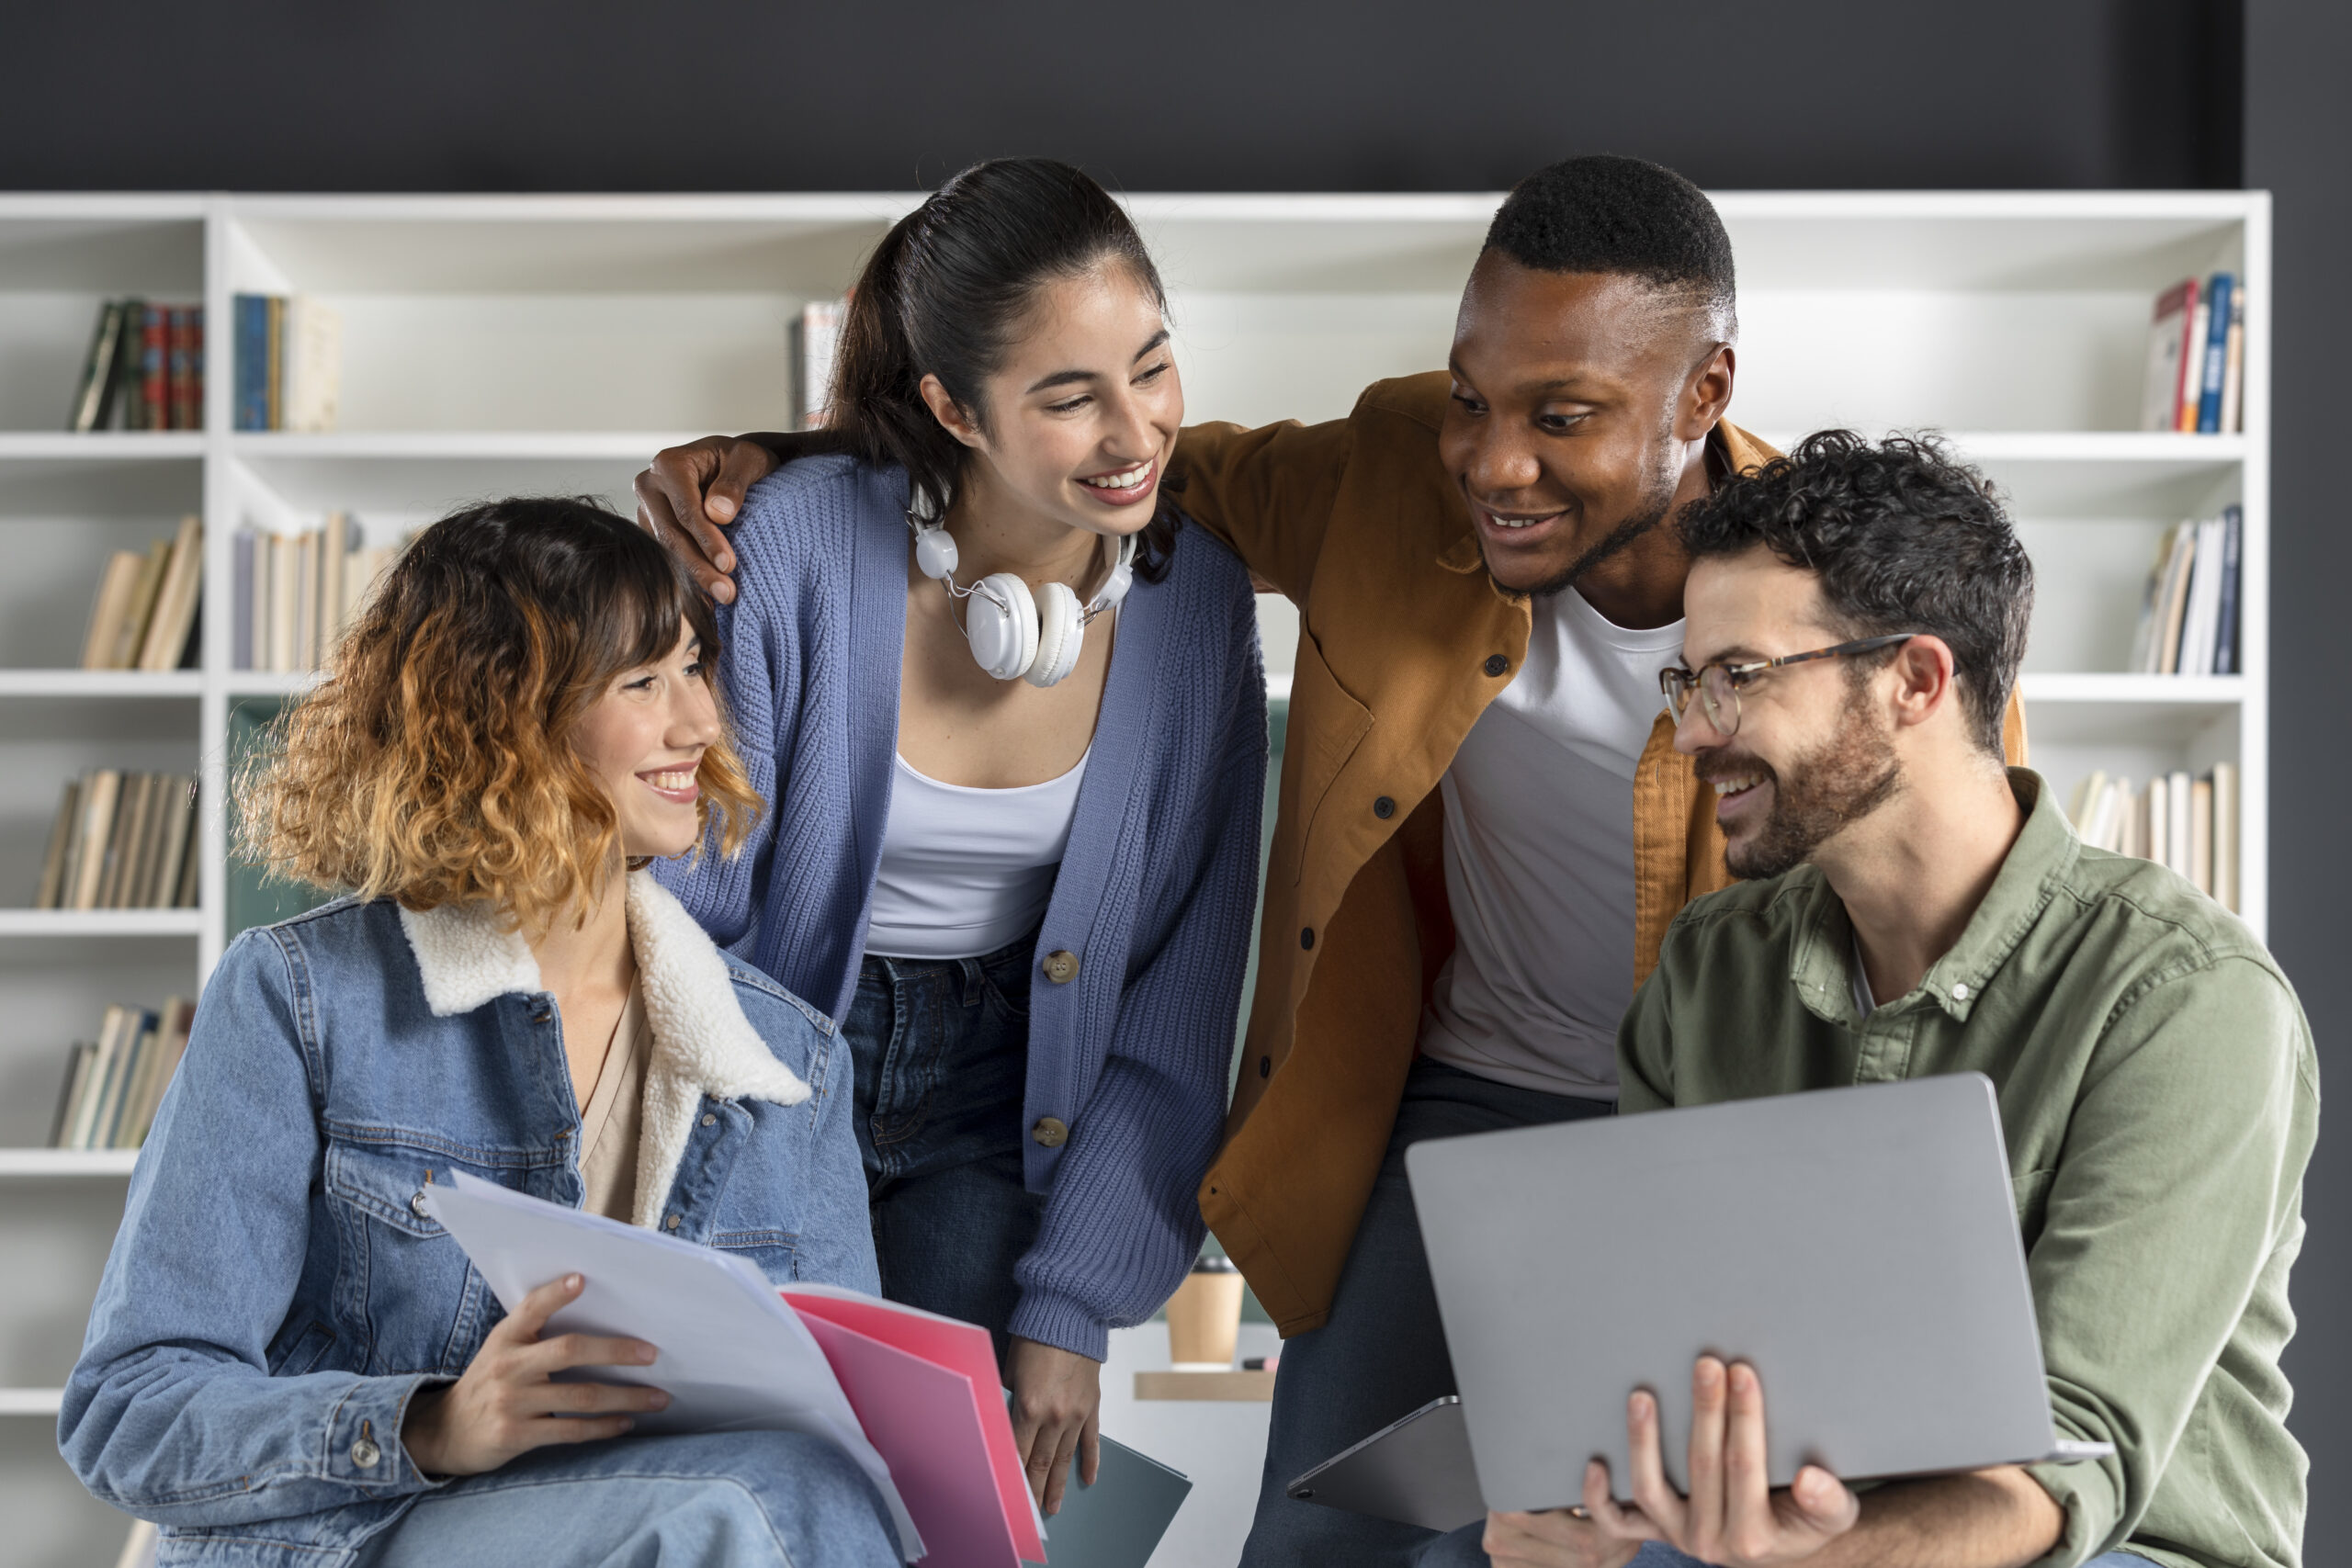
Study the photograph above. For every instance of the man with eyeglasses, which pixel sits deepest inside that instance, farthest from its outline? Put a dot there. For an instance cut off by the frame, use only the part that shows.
(1856, 617)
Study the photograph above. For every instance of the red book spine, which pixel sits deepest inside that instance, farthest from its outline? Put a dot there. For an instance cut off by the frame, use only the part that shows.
(187, 394)
(155, 369)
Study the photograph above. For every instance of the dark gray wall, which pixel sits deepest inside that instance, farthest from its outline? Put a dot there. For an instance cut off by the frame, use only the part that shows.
(1240, 94)
(732, 95)
(2297, 134)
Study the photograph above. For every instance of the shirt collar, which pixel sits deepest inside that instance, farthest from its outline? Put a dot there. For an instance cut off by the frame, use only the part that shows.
(2045, 853)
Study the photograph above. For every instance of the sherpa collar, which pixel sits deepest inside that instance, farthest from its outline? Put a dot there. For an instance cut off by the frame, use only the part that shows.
(702, 1043)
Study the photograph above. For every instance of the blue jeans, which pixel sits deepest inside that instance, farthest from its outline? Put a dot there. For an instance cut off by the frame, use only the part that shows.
(713, 1499)
(942, 1052)
(1382, 1353)
(1460, 1549)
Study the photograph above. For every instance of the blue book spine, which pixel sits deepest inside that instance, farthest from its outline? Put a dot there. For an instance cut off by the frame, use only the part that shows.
(2225, 631)
(241, 614)
(253, 362)
(2216, 356)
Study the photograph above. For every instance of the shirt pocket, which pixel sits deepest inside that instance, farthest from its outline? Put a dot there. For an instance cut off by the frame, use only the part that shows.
(774, 1253)
(1326, 726)
(403, 1288)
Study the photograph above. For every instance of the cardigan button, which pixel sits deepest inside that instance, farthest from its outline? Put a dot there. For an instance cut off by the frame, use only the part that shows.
(1384, 808)
(1061, 967)
(1496, 664)
(1050, 1132)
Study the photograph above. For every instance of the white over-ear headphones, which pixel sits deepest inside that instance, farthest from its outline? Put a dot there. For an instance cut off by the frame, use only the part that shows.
(1013, 632)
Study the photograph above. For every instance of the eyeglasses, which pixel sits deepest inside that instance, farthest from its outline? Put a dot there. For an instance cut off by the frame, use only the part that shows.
(1720, 683)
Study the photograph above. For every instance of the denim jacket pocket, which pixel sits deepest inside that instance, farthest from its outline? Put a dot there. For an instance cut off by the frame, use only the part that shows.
(404, 1281)
(773, 1252)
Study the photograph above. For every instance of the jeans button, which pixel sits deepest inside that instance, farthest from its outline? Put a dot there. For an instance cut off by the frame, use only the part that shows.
(1051, 1132)
(1061, 967)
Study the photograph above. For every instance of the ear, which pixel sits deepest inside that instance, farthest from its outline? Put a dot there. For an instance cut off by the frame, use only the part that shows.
(1924, 673)
(1706, 394)
(951, 415)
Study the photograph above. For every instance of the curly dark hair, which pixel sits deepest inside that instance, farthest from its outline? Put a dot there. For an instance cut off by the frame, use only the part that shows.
(1905, 538)
(1606, 213)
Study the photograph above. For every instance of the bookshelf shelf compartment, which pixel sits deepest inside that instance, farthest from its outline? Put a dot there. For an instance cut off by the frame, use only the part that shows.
(44, 1164)
(79, 923)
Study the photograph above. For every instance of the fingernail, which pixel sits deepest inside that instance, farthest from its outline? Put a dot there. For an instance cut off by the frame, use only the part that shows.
(1743, 1379)
(571, 1281)
(660, 1400)
(628, 1425)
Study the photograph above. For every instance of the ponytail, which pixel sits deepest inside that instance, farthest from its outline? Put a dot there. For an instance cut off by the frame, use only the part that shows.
(944, 293)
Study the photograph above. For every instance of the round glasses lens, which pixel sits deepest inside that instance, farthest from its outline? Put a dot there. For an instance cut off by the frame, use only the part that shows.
(1722, 700)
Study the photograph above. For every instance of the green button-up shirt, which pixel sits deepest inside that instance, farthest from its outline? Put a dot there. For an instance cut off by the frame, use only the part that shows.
(2160, 1096)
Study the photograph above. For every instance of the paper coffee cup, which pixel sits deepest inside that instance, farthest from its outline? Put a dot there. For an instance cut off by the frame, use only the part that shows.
(1204, 1318)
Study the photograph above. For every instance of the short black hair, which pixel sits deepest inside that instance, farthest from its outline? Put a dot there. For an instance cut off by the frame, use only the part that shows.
(1905, 538)
(1606, 213)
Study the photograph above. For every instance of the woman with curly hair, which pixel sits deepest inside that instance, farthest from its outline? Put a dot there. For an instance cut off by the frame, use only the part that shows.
(289, 1355)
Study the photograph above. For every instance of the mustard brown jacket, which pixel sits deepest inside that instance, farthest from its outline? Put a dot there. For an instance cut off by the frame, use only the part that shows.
(1403, 641)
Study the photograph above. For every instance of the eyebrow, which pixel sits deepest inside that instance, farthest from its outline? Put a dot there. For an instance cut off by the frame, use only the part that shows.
(1579, 383)
(1064, 378)
(1738, 653)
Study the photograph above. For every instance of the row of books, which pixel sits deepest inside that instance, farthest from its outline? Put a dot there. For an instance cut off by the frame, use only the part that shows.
(122, 842)
(293, 594)
(2188, 825)
(114, 1083)
(144, 370)
(144, 615)
(2196, 357)
(2189, 611)
(289, 362)
(815, 337)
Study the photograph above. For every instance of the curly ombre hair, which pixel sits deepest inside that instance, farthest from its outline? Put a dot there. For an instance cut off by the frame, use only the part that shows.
(434, 762)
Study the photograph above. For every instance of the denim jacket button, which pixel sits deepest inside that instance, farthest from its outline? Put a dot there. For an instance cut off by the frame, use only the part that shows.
(416, 1205)
(1051, 1132)
(364, 1453)
(709, 1118)
(671, 1224)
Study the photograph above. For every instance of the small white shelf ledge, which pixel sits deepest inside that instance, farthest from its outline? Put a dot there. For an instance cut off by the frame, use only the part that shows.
(108, 446)
(2075, 445)
(31, 1400)
(100, 922)
(47, 1163)
(271, 682)
(435, 445)
(2162, 691)
(101, 684)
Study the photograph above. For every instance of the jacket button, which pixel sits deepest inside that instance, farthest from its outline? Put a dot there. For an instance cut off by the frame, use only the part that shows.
(364, 1453)
(1061, 967)
(1307, 936)
(1496, 664)
(416, 1205)
(1384, 808)
(671, 1224)
(1051, 1132)
(1265, 1067)
(710, 1119)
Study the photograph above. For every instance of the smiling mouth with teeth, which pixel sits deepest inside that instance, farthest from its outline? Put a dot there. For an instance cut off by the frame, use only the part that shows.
(1125, 479)
(1735, 786)
(1513, 524)
(675, 781)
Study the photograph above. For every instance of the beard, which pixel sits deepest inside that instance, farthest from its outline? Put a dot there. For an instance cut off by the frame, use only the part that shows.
(1649, 510)
(1836, 784)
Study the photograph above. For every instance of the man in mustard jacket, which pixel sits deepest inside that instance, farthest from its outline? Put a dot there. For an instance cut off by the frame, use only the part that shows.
(1483, 826)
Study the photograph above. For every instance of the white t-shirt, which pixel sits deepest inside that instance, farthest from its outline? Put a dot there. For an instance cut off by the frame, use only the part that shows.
(965, 871)
(1539, 857)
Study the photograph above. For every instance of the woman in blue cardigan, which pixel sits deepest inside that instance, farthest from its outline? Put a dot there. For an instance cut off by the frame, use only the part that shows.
(1011, 722)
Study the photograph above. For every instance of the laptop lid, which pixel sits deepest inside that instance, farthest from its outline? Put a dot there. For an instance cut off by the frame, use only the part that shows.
(1858, 1246)
(1416, 1471)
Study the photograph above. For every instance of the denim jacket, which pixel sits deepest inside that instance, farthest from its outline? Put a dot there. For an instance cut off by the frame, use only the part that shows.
(276, 1295)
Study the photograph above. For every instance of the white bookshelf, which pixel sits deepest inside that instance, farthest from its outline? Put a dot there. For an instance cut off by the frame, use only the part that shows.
(536, 344)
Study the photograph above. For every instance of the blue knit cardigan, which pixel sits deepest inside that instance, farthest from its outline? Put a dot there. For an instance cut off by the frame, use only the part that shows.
(1154, 896)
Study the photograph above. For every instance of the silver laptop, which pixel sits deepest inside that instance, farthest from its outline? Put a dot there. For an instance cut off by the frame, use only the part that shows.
(1857, 1246)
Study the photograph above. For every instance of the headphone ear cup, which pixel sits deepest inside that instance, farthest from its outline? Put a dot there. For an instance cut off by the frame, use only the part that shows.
(1061, 632)
(1000, 622)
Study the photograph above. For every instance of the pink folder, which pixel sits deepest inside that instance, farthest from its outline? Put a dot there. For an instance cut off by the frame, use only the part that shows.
(926, 1390)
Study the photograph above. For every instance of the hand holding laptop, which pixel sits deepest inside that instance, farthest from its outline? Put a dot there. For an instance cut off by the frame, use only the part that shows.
(1729, 1517)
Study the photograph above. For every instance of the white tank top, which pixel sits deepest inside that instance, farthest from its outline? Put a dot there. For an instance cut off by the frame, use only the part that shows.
(965, 871)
